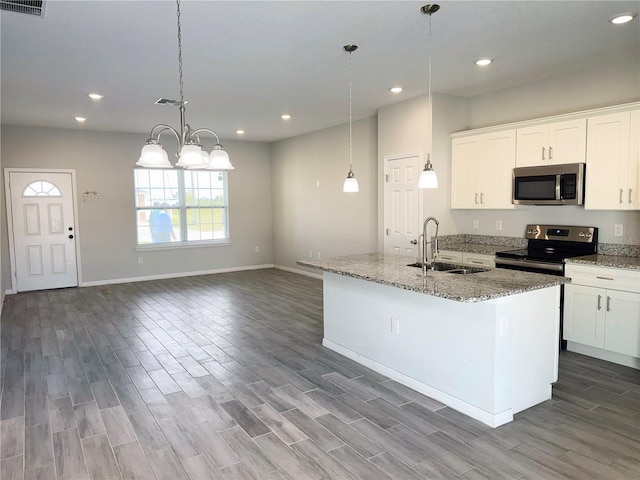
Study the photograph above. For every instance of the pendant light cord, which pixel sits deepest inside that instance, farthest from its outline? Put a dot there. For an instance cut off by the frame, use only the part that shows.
(180, 53)
(430, 107)
(350, 117)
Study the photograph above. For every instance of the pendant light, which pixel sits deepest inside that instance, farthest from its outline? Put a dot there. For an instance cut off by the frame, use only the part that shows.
(350, 183)
(190, 154)
(428, 177)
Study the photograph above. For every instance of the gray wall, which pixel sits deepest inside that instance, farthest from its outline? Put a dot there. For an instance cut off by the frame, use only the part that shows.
(308, 218)
(104, 163)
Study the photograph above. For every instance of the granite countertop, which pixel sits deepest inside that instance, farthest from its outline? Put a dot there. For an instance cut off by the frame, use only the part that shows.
(616, 261)
(474, 248)
(392, 270)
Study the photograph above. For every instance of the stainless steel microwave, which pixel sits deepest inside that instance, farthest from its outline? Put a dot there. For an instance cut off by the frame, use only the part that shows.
(549, 185)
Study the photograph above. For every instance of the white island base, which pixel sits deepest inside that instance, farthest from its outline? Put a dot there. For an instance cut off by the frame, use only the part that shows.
(488, 359)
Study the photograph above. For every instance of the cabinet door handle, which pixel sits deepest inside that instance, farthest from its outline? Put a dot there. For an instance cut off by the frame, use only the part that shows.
(621, 192)
(629, 195)
(476, 198)
(604, 278)
(482, 198)
(608, 303)
(543, 152)
(550, 153)
(477, 262)
(599, 302)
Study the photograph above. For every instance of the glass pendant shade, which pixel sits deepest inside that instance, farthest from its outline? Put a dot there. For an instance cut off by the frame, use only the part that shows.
(350, 184)
(219, 159)
(428, 177)
(153, 156)
(191, 156)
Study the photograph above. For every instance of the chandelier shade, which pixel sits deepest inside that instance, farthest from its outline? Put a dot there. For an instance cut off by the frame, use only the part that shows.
(190, 153)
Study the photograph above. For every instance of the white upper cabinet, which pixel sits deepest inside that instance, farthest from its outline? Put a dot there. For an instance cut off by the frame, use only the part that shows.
(613, 157)
(552, 143)
(481, 170)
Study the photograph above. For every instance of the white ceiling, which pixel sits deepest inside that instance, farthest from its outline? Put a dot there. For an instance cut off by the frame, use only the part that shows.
(247, 62)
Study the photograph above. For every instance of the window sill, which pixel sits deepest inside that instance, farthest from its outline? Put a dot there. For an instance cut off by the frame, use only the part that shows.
(182, 245)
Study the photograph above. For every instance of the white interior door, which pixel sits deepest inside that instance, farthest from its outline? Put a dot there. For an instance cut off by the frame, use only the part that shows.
(402, 206)
(44, 238)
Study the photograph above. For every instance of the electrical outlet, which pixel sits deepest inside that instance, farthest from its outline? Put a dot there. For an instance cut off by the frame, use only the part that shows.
(395, 326)
(475, 224)
(618, 230)
(257, 249)
(498, 224)
(140, 260)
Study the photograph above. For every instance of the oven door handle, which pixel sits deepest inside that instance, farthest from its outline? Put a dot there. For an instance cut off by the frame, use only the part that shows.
(552, 267)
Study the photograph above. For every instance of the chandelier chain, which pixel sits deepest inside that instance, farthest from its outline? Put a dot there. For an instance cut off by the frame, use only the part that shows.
(180, 53)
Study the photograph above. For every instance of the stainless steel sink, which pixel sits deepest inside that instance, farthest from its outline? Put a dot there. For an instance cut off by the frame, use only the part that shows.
(450, 268)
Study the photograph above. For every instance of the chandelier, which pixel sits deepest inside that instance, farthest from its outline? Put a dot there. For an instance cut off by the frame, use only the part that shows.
(428, 177)
(190, 154)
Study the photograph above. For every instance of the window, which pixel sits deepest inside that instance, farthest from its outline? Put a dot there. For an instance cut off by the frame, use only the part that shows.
(181, 206)
(41, 188)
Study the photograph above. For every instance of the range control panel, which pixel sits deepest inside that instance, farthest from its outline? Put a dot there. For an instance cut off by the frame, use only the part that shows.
(562, 233)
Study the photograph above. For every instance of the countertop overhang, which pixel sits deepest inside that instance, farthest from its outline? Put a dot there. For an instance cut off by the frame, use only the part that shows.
(392, 270)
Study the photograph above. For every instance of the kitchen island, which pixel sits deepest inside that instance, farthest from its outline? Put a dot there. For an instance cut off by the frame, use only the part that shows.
(485, 344)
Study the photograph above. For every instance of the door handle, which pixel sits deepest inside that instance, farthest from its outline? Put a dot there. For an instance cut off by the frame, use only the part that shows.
(70, 236)
(482, 198)
(621, 192)
(476, 198)
(599, 302)
(550, 153)
(629, 195)
(543, 153)
(414, 242)
(608, 303)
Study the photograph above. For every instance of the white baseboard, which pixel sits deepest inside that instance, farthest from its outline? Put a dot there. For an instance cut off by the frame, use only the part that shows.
(602, 354)
(172, 275)
(299, 271)
(493, 420)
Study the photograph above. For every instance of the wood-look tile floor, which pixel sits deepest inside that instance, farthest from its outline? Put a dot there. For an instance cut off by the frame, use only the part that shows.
(224, 376)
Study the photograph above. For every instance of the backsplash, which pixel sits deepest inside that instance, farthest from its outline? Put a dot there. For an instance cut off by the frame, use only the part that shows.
(517, 242)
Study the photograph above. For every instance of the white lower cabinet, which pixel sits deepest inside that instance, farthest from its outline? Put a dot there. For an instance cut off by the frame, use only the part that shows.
(602, 314)
(472, 259)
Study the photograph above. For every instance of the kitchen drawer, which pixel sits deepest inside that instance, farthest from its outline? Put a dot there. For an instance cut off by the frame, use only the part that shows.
(603, 277)
(448, 256)
(479, 260)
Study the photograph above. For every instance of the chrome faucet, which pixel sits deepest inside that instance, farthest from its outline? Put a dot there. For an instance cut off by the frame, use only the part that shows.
(434, 244)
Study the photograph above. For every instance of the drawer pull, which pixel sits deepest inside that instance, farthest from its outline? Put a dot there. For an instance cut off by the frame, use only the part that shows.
(604, 278)
(629, 195)
(599, 302)
(476, 198)
(621, 192)
(478, 262)
(608, 303)
(543, 153)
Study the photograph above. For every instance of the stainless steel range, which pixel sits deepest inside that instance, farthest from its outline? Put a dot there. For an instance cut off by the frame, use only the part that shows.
(548, 247)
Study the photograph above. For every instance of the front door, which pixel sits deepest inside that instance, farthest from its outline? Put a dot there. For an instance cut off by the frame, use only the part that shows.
(402, 206)
(41, 208)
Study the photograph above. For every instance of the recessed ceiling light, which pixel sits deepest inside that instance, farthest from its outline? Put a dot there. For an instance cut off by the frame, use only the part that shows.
(81, 119)
(240, 132)
(95, 96)
(395, 89)
(483, 62)
(622, 18)
(286, 116)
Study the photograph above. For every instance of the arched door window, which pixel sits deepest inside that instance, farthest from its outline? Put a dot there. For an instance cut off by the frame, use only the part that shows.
(41, 188)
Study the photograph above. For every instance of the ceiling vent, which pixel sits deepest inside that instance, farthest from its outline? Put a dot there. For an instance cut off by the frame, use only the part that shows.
(28, 7)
